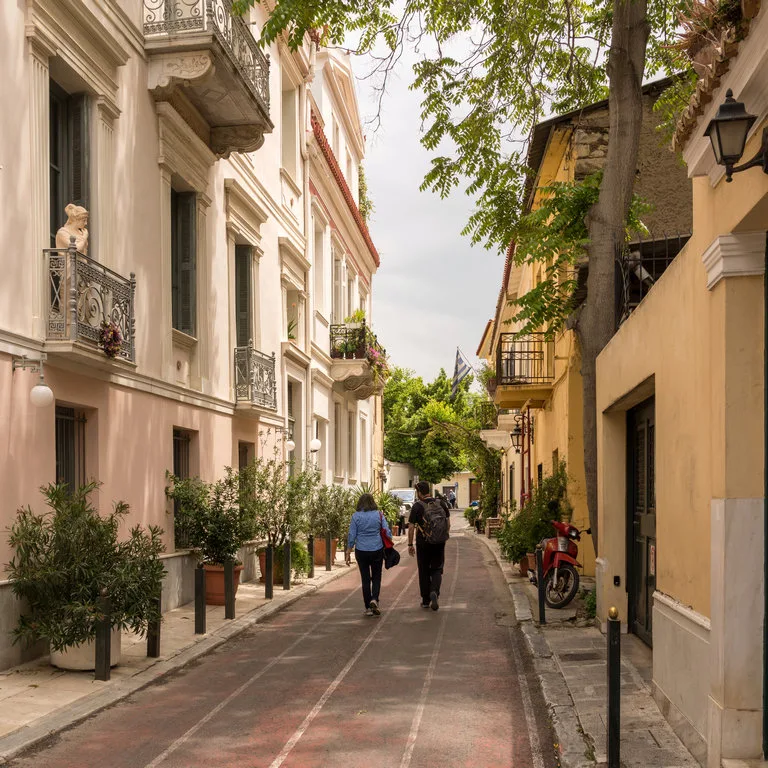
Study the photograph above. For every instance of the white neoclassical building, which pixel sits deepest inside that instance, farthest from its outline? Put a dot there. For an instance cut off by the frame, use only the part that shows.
(224, 244)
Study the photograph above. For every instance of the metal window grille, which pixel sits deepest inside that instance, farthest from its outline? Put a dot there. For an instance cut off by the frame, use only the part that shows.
(70, 447)
(182, 441)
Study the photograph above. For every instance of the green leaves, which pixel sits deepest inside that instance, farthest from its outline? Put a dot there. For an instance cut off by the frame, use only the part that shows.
(65, 557)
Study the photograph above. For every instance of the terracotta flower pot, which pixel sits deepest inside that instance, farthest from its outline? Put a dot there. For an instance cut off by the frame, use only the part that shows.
(277, 567)
(320, 550)
(523, 566)
(214, 583)
(531, 561)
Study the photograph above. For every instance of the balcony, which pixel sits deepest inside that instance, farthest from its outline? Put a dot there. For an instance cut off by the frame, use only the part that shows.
(201, 55)
(525, 370)
(255, 381)
(82, 297)
(359, 361)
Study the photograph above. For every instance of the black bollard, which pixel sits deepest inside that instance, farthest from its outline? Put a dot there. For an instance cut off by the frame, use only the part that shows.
(269, 575)
(103, 638)
(229, 590)
(153, 634)
(328, 561)
(540, 584)
(311, 550)
(287, 564)
(200, 600)
(614, 688)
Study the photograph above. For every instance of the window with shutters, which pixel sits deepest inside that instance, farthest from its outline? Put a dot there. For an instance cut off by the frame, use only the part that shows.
(182, 442)
(338, 292)
(364, 450)
(352, 444)
(69, 149)
(289, 129)
(338, 465)
(70, 447)
(184, 261)
(318, 267)
(243, 294)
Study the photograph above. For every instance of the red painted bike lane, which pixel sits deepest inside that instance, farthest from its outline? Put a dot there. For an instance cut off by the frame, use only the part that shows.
(321, 684)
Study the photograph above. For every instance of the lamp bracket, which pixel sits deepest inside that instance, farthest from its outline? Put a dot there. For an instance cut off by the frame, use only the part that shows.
(761, 158)
(23, 362)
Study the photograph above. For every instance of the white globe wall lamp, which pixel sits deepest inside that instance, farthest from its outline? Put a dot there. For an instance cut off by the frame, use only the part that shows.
(315, 445)
(41, 395)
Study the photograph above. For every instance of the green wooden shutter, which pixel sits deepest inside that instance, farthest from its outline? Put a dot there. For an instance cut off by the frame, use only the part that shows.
(184, 262)
(243, 294)
(79, 150)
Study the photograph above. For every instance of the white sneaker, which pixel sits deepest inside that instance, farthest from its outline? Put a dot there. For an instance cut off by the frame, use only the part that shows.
(375, 608)
(368, 612)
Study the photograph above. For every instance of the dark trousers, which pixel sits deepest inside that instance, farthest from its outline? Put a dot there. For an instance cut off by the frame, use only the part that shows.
(370, 564)
(401, 525)
(430, 559)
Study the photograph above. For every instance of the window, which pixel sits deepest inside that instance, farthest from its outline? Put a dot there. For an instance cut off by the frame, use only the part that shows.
(181, 468)
(555, 459)
(293, 314)
(540, 474)
(243, 323)
(289, 135)
(364, 449)
(350, 293)
(338, 293)
(511, 496)
(70, 447)
(336, 136)
(183, 261)
(351, 444)
(69, 154)
(245, 454)
(338, 469)
(319, 267)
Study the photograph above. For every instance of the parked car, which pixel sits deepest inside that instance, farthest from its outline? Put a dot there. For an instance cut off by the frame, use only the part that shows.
(406, 497)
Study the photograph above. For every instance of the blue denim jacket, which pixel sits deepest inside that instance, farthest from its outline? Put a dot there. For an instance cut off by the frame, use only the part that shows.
(364, 530)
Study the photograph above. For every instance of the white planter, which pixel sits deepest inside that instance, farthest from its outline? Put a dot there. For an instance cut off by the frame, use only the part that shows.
(83, 657)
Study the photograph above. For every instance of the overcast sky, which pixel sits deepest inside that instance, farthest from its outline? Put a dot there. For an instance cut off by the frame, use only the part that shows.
(433, 291)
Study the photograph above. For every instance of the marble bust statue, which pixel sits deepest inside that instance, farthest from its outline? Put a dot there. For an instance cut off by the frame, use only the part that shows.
(76, 226)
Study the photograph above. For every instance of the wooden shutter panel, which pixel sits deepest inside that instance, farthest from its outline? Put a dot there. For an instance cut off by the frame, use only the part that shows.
(187, 261)
(243, 262)
(79, 150)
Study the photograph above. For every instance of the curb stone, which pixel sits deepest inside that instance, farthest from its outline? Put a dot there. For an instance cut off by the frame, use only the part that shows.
(574, 747)
(72, 714)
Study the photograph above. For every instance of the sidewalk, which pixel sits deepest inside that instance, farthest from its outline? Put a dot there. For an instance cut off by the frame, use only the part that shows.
(570, 661)
(39, 700)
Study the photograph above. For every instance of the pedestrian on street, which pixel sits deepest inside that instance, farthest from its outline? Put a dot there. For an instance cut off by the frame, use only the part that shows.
(365, 537)
(452, 498)
(430, 522)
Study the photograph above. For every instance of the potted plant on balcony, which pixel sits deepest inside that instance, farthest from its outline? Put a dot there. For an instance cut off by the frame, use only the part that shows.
(356, 319)
(377, 359)
(65, 558)
(219, 524)
(111, 339)
(487, 376)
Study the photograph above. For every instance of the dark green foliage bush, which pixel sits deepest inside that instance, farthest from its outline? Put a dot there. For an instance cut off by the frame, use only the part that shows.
(299, 558)
(590, 603)
(65, 557)
(520, 534)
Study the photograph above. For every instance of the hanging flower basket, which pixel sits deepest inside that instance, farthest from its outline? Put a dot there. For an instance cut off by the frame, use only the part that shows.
(111, 339)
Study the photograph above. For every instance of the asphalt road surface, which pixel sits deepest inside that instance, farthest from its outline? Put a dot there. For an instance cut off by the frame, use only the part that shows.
(322, 685)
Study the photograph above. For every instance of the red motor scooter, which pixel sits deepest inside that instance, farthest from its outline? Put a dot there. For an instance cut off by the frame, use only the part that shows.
(559, 563)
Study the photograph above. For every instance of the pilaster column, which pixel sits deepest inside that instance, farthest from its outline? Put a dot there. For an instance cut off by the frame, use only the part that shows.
(40, 51)
(104, 199)
(734, 264)
(203, 364)
(165, 319)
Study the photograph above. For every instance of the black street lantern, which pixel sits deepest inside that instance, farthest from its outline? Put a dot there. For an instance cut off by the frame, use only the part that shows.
(728, 132)
(516, 435)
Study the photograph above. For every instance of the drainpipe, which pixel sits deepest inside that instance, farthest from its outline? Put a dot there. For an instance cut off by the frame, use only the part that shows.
(765, 501)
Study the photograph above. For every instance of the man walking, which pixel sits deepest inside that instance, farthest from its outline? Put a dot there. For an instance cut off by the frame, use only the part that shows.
(430, 522)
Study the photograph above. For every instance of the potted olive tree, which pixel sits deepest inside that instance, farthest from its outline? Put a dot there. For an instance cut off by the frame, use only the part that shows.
(66, 558)
(219, 524)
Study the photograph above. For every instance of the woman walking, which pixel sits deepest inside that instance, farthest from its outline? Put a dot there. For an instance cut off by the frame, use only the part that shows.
(365, 538)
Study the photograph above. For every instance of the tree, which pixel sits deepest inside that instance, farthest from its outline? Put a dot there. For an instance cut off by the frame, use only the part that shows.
(489, 71)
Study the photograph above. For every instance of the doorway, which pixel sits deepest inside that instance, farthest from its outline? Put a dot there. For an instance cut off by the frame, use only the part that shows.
(474, 490)
(641, 519)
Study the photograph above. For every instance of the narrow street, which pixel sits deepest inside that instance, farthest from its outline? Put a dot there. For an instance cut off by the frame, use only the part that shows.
(321, 685)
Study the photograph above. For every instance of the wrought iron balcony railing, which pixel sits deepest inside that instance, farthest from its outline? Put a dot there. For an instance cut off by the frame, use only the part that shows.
(255, 380)
(487, 414)
(527, 359)
(83, 295)
(177, 18)
(639, 265)
(354, 341)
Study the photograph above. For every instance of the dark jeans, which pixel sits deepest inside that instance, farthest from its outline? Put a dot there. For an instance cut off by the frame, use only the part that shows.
(430, 559)
(401, 526)
(370, 564)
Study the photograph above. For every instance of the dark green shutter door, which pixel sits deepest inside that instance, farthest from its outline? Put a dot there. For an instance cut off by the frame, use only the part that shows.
(79, 150)
(187, 263)
(243, 294)
(175, 270)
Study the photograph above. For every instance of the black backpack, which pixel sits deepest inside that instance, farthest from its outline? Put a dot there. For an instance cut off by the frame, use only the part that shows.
(435, 522)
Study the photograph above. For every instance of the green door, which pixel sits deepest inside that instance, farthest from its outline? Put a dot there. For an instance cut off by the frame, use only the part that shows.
(641, 513)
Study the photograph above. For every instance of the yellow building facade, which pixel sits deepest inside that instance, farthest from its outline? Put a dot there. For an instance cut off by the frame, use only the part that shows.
(681, 431)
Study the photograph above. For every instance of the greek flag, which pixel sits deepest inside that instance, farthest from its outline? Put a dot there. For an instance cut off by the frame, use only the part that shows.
(460, 372)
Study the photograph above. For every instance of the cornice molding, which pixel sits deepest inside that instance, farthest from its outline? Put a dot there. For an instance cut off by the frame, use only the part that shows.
(734, 255)
(244, 215)
(182, 151)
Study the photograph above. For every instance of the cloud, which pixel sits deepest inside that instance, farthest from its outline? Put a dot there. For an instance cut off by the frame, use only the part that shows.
(433, 291)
